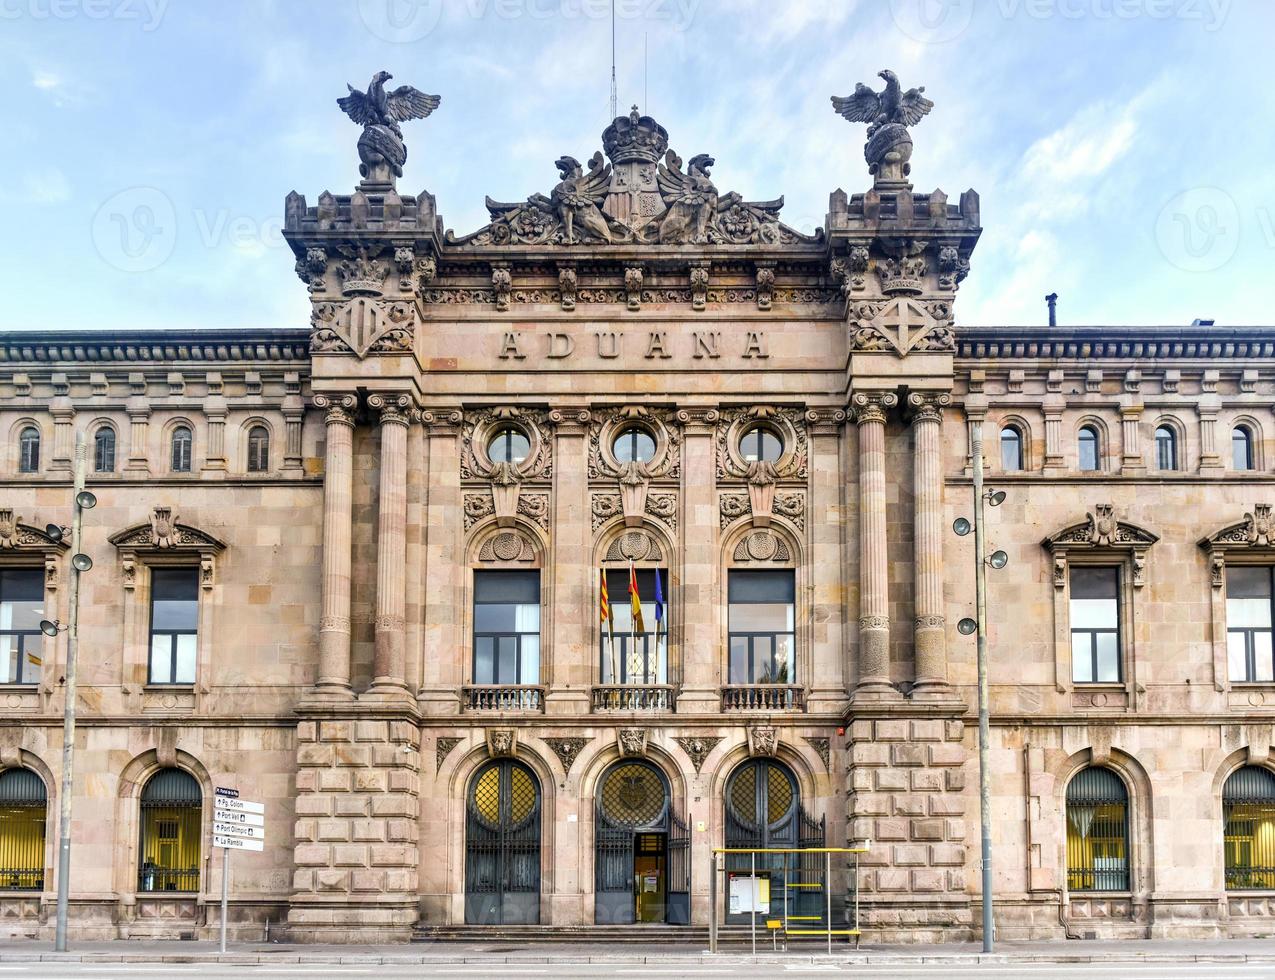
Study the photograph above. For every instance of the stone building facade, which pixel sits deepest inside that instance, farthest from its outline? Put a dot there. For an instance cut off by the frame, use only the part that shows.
(638, 372)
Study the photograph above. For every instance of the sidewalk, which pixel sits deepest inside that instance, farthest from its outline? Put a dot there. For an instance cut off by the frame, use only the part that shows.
(488, 953)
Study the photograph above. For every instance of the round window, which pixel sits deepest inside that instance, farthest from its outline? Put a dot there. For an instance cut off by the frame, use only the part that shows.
(634, 445)
(508, 446)
(761, 445)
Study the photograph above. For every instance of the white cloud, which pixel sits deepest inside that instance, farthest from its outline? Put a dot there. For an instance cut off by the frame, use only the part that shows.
(48, 187)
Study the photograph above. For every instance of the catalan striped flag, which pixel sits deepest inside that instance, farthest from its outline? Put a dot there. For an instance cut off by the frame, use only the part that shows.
(604, 603)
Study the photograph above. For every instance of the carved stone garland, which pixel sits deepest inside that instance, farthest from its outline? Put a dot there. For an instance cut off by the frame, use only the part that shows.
(788, 423)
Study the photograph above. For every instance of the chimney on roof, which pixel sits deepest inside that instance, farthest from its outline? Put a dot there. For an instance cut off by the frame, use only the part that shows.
(1197, 322)
(1052, 300)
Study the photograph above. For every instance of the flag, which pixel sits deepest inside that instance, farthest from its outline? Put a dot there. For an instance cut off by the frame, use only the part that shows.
(604, 604)
(659, 604)
(635, 601)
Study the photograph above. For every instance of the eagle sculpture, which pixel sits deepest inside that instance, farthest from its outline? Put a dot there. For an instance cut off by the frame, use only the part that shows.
(381, 147)
(891, 105)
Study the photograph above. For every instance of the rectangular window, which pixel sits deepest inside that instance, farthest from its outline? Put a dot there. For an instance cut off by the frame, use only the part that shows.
(21, 609)
(174, 625)
(762, 627)
(1248, 623)
(507, 627)
(1095, 625)
(637, 658)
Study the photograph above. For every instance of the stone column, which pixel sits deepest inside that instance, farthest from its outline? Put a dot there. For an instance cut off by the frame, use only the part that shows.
(874, 597)
(389, 661)
(827, 676)
(338, 476)
(929, 647)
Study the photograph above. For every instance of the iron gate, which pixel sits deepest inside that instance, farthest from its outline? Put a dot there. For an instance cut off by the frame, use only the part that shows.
(763, 809)
(633, 798)
(502, 846)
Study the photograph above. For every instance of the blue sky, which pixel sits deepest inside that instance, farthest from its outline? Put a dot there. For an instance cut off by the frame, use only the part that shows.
(1121, 147)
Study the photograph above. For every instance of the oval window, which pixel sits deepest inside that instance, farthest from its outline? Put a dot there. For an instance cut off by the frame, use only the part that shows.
(634, 445)
(508, 446)
(761, 445)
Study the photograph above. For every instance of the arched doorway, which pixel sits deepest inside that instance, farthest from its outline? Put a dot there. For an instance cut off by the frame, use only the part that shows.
(171, 833)
(763, 810)
(642, 869)
(502, 846)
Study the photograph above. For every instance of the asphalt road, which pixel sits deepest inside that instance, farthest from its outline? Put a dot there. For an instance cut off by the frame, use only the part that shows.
(567, 968)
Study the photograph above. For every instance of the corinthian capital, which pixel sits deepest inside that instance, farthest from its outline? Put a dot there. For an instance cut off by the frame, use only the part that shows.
(870, 406)
(338, 408)
(927, 406)
(394, 409)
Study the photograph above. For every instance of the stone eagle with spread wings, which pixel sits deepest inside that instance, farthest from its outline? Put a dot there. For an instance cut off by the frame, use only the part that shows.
(376, 107)
(878, 109)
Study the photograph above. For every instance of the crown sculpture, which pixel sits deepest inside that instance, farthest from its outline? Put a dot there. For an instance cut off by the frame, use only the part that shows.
(381, 149)
(888, 114)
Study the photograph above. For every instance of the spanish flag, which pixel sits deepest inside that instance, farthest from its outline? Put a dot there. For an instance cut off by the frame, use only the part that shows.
(638, 625)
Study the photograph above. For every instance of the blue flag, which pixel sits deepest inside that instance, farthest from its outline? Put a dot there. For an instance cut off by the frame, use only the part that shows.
(659, 600)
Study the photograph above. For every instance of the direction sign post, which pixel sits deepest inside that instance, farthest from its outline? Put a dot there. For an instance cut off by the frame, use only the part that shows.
(238, 825)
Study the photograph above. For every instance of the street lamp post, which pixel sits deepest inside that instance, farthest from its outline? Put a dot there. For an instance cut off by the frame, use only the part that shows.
(998, 560)
(80, 563)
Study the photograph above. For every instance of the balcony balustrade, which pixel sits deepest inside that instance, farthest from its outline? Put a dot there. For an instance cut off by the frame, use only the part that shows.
(763, 697)
(503, 697)
(633, 697)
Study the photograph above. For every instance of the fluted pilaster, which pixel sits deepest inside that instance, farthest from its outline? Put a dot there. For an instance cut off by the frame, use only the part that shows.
(874, 596)
(338, 489)
(389, 661)
(930, 645)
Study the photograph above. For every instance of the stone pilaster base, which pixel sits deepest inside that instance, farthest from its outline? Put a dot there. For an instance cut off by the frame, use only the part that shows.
(356, 855)
(906, 785)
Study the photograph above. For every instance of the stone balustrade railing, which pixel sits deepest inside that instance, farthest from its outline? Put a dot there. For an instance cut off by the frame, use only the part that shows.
(763, 697)
(503, 697)
(633, 697)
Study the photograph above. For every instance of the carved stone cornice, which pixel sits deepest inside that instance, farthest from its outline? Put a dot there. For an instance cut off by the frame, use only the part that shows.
(133, 347)
(870, 406)
(338, 408)
(1101, 533)
(1250, 539)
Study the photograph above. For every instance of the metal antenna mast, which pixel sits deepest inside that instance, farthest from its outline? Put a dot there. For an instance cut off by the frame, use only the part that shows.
(614, 100)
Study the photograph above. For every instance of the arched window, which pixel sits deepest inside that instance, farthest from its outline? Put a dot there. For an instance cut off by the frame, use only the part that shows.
(1097, 832)
(183, 450)
(104, 450)
(502, 846)
(1011, 448)
(1248, 815)
(258, 449)
(1166, 448)
(1090, 449)
(29, 450)
(23, 810)
(172, 806)
(642, 850)
(1242, 448)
